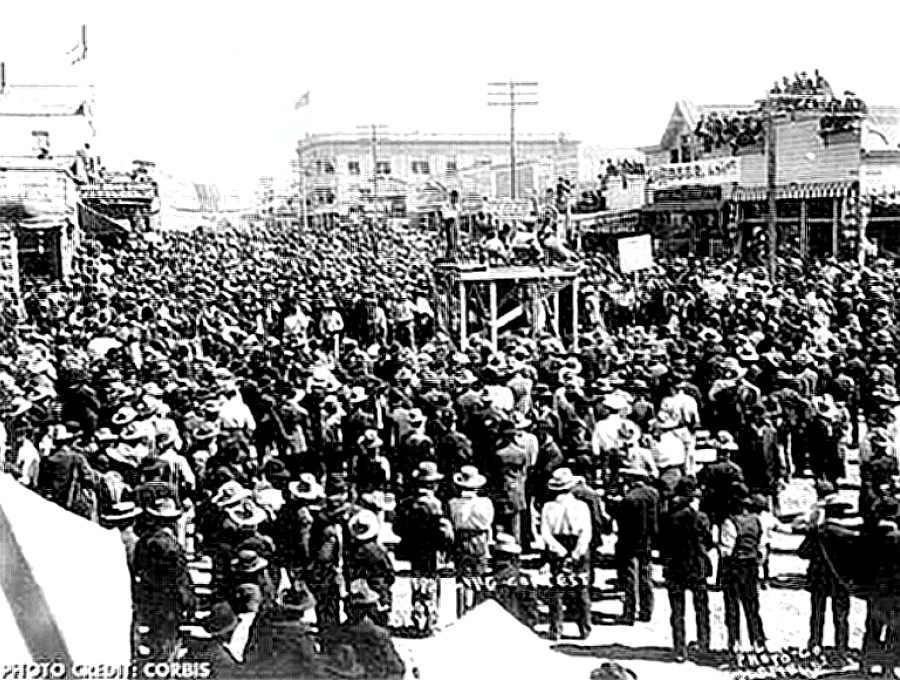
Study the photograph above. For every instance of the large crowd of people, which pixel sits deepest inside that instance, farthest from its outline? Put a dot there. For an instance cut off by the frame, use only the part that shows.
(273, 398)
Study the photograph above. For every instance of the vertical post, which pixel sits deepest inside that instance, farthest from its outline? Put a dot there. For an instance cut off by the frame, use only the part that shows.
(770, 187)
(374, 167)
(556, 313)
(575, 289)
(835, 216)
(512, 141)
(492, 290)
(804, 230)
(463, 317)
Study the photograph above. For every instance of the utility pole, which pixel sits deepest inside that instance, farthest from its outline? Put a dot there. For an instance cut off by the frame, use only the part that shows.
(771, 185)
(512, 104)
(374, 142)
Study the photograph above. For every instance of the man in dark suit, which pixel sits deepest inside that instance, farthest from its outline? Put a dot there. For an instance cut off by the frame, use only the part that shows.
(685, 540)
(162, 591)
(637, 517)
(371, 643)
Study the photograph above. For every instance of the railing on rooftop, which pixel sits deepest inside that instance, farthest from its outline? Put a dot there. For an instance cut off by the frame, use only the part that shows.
(120, 190)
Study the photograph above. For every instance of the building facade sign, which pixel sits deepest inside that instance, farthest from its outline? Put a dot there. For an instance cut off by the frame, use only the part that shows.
(688, 194)
(880, 178)
(715, 171)
(508, 209)
(39, 193)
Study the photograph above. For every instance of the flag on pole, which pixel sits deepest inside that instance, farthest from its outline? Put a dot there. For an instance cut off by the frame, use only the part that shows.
(79, 52)
(303, 101)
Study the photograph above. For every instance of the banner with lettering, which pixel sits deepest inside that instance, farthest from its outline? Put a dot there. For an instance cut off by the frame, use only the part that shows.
(705, 172)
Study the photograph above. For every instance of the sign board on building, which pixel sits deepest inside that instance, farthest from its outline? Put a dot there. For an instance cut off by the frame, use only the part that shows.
(508, 209)
(879, 178)
(37, 192)
(688, 193)
(635, 253)
(714, 171)
(609, 222)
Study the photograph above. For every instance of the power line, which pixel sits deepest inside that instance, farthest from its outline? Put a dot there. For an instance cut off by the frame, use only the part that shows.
(513, 103)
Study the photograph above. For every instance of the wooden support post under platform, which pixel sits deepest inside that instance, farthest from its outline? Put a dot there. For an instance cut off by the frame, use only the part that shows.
(804, 230)
(556, 313)
(835, 212)
(575, 288)
(463, 317)
(492, 288)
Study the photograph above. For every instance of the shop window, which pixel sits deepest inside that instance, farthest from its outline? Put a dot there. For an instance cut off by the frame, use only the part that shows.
(420, 168)
(819, 209)
(383, 168)
(353, 167)
(789, 209)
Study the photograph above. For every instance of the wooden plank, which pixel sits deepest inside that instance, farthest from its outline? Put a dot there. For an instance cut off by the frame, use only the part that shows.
(511, 315)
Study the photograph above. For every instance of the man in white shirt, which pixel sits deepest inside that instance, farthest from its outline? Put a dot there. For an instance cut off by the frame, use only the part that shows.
(566, 531)
(235, 414)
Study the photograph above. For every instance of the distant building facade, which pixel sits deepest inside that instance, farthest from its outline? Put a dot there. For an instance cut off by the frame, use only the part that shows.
(340, 171)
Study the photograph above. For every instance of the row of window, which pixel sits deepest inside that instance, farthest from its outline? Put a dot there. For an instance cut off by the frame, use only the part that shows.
(381, 167)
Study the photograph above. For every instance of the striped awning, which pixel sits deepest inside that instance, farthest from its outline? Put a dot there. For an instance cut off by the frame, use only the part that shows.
(794, 191)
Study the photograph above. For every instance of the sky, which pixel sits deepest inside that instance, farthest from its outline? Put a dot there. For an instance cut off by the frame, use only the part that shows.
(207, 89)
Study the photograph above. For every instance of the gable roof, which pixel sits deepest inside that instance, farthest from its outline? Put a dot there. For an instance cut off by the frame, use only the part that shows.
(686, 115)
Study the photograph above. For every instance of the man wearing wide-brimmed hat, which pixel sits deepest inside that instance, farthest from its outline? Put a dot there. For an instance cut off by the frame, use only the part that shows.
(369, 469)
(566, 532)
(162, 591)
(473, 518)
(425, 535)
(368, 559)
(685, 541)
(637, 520)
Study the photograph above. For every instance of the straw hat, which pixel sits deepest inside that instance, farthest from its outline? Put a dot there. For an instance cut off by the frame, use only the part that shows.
(164, 508)
(427, 472)
(563, 480)
(229, 494)
(307, 488)
(120, 512)
(468, 477)
(249, 562)
(364, 526)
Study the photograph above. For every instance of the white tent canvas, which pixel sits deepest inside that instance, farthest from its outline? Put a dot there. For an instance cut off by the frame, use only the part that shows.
(489, 642)
(65, 587)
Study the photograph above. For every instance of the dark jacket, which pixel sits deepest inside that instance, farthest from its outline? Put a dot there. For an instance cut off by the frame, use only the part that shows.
(370, 561)
(637, 517)
(66, 478)
(684, 540)
(162, 581)
(374, 649)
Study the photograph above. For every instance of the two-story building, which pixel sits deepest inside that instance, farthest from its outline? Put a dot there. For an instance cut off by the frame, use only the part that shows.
(708, 194)
(342, 171)
(45, 136)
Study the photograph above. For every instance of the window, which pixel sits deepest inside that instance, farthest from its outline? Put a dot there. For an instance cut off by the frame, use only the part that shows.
(383, 168)
(41, 143)
(353, 167)
(451, 166)
(673, 156)
(420, 168)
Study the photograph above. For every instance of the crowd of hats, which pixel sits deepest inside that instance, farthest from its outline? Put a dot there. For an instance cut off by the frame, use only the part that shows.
(141, 352)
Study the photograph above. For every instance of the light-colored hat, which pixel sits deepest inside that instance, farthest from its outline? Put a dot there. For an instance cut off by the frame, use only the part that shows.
(229, 494)
(357, 395)
(307, 488)
(164, 508)
(124, 416)
(370, 440)
(246, 514)
(563, 480)
(364, 525)
(468, 477)
(248, 562)
(427, 472)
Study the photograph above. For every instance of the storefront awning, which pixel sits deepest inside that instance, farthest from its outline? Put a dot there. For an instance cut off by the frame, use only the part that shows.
(794, 192)
(687, 206)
